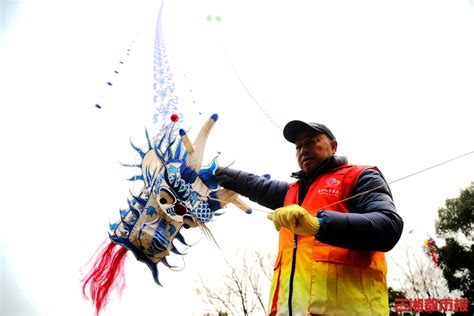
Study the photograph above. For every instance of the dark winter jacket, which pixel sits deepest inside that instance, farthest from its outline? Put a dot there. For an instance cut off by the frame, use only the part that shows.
(373, 223)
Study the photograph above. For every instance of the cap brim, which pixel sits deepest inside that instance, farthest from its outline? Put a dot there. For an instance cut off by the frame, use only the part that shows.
(293, 128)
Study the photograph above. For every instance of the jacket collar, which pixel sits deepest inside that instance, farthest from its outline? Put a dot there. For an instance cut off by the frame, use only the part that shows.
(328, 164)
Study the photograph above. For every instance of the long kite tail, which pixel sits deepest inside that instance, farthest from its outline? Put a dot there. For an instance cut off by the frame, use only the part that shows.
(106, 275)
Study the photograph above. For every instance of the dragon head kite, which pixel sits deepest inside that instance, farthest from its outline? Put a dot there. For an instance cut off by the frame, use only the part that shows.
(178, 192)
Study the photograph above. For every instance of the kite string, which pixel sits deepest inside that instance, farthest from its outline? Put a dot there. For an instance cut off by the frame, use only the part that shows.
(351, 197)
(399, 179)
(377, 187)
(249, 92)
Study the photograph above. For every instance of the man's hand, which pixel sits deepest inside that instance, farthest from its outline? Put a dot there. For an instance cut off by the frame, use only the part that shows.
(296, 219)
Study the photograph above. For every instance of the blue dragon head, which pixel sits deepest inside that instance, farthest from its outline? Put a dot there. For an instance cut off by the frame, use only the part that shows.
(178, 192)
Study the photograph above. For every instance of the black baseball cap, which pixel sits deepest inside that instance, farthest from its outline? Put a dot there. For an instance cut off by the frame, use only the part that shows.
(293, 128)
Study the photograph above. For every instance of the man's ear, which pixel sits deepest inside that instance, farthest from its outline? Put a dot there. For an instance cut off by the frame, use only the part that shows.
(334, 146)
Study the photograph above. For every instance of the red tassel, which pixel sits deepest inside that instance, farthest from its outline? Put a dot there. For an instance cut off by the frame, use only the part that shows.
(434, 257)
(106, 275)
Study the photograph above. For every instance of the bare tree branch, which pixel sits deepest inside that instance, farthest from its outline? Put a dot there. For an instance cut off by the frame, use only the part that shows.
(420, 277)
(241, 290)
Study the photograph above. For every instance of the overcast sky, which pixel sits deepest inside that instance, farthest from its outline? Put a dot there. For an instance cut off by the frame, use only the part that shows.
(393, 79)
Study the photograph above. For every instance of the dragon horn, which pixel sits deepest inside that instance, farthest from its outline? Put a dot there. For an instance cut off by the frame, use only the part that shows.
(201, 139)
(187, 143)
(241, 205)
(196, 150)
(226, 196)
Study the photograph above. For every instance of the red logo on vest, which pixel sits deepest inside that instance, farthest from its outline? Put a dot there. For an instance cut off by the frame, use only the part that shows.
(332, 187)
(332, 182)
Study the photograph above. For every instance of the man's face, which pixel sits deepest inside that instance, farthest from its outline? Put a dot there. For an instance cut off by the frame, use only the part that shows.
(312, 148)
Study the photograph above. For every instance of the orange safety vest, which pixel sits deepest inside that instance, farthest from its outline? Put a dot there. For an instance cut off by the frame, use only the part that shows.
(327, 280)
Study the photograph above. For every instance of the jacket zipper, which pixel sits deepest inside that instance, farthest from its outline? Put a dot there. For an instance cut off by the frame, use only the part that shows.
(292, 275)
(301, 196)
(293, 262)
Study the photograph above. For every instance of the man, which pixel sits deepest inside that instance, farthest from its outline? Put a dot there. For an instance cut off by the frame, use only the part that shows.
(334, 224)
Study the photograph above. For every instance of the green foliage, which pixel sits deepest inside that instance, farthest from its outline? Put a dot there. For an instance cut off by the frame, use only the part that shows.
(458, 215)
(456, 259)
(457, 263)
(392, 295)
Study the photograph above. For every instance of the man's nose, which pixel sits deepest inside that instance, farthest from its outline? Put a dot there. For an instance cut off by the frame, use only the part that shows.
(304, 149)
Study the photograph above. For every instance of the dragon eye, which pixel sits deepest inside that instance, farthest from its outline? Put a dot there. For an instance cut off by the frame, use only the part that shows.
(166, 196)
(180, 209)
